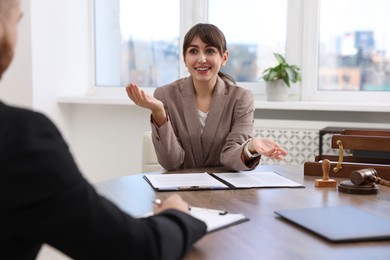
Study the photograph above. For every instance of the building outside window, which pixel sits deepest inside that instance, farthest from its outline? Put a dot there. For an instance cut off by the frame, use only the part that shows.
(250, 38)
(354, 47)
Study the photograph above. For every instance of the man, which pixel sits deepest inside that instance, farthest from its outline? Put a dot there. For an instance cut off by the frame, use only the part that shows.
(45, 199)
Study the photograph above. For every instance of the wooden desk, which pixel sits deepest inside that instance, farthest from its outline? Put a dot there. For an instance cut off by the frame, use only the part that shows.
(265, 236)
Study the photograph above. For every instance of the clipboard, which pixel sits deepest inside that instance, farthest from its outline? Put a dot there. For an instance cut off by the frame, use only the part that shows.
(184, 182)
(218, 181)
(213, 218)
(216, 219)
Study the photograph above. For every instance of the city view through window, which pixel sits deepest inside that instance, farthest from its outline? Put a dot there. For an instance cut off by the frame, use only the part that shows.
(137, 43)
(149, 52)
(354, 45)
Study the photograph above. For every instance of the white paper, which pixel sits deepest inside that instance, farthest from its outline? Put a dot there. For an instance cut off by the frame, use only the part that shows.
(214, 220)
(212, 217)
(249, 179)
(184, 181)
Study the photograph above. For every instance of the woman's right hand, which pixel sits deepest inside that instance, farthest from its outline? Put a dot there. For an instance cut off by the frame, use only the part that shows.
(140, 98)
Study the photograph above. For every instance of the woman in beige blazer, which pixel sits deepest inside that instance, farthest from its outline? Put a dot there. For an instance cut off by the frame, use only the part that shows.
(204, 120)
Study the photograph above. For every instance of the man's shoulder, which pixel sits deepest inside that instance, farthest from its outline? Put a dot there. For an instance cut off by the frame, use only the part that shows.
(21, 115)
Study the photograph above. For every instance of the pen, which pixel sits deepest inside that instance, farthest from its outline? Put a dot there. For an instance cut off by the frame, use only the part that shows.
(220, 212)
(195, 187)
(157, 201)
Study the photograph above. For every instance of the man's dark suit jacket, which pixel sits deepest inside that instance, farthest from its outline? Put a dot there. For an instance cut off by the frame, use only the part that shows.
(45, 199)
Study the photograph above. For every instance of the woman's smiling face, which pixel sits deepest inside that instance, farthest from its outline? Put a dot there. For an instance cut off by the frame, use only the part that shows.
(204, 61)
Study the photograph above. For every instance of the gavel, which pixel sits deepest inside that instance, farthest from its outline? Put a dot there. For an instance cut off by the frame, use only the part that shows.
(368, 175)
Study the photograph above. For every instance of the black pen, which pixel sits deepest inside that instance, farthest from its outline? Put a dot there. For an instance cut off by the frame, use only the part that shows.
(220, 212)
(194, 187)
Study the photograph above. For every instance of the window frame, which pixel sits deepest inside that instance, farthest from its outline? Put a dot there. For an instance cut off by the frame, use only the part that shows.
(301, 49)
(309, 50)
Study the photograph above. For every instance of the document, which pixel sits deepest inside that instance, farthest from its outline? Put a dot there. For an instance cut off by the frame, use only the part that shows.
(214, 219)
(227, 180)
(184, 181)
(217, 219)
(256, 180)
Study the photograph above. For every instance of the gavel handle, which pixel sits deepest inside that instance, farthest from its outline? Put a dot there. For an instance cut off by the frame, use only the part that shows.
(382, 181)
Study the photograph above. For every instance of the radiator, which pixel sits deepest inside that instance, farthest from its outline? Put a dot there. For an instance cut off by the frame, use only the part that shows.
(302, 145)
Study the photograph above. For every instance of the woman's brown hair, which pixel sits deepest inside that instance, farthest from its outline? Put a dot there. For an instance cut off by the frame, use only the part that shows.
(211, 35)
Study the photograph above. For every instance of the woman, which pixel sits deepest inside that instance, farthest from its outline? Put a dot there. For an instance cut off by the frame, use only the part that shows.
(204, 120)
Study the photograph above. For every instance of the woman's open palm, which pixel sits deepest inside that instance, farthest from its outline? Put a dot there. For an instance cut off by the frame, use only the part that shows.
(140, 98)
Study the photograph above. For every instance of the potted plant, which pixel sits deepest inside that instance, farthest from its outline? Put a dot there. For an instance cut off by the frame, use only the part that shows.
(280, 77)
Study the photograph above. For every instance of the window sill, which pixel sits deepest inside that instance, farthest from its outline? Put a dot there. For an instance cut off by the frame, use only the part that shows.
(323, 106)
(259, 104)
(94, 99)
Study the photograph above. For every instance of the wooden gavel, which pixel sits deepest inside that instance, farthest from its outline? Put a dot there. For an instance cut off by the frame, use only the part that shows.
(368, 175)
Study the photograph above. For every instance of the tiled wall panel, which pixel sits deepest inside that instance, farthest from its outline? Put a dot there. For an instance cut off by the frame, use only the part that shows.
(301, 144)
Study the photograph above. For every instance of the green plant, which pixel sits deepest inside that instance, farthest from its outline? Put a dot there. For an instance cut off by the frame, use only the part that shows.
(287, 73)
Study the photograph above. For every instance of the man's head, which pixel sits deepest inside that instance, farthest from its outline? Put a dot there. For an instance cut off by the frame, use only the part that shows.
(9, 17)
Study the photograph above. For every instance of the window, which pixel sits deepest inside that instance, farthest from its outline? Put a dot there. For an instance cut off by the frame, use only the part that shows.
(128, 47)
(354, 49)
(250, 38)
(136, 41)
(342, 47)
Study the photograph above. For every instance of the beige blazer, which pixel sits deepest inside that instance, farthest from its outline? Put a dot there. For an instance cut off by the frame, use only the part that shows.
(180, 143)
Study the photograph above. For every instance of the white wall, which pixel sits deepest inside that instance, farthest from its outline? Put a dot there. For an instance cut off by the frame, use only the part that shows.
(105, 140)
(61, 54)
(15, 86)
(54, 57)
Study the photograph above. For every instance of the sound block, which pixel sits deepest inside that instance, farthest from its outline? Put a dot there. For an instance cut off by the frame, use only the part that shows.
(321, 183)
(348, 187)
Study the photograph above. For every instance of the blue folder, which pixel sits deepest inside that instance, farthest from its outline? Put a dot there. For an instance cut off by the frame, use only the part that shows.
(340, 223)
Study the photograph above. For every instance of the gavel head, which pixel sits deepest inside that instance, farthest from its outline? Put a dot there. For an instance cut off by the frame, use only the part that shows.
(363, 176)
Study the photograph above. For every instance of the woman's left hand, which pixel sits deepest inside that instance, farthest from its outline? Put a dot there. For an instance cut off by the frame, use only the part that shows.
(267, 147)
